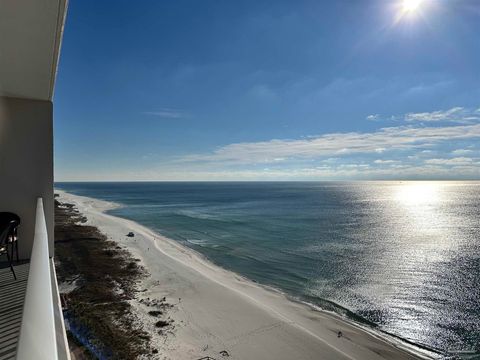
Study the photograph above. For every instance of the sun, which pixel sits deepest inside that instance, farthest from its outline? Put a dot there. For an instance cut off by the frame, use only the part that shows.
(411, 6)
(407, 10)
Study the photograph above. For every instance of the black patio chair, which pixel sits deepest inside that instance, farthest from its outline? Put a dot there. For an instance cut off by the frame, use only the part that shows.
(14, 219)
(6, 229)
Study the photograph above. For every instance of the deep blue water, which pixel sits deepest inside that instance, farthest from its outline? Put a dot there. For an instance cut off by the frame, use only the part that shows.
(402, 255)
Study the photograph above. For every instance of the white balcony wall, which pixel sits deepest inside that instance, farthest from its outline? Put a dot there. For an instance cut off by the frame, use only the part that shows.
(26, 164)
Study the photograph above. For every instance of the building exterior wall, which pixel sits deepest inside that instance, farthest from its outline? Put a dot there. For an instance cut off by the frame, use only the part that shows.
(26, 164)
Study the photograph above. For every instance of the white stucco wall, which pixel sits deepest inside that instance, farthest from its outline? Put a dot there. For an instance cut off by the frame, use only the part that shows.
(26, 164)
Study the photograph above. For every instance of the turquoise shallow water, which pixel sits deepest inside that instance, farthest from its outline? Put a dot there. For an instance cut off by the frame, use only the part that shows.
(404, 256)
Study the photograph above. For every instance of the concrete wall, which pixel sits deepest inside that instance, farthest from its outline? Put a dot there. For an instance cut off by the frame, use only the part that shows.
(26, 164)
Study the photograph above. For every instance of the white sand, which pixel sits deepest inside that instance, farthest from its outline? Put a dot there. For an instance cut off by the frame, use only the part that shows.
(220, 310)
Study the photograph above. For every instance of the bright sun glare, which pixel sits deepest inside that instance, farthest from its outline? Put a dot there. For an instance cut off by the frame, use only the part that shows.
(410, 6)
(410, 9)
(418, 193)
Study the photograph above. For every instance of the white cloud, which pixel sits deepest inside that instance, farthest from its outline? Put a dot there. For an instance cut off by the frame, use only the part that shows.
(168, 113)
(455, 114)
(421, 152)
(460, 115)
(331, 160)
(451, 162)
(380, 161)
(395, 172)
(335, 144)
(461, 152)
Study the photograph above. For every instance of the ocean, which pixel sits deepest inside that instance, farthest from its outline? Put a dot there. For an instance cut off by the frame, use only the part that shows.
(403, 257)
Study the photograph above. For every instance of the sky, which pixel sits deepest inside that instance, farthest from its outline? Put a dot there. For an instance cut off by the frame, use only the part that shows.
(268, 90)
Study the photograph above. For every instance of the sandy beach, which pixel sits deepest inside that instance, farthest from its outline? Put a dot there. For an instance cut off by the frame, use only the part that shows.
(217, 310)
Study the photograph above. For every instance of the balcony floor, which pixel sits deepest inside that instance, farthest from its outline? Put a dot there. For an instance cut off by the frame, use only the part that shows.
(12, 297)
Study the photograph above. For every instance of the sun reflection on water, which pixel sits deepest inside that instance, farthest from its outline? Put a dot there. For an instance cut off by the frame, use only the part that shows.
(420, 222)
(423, 211)
(419, 193)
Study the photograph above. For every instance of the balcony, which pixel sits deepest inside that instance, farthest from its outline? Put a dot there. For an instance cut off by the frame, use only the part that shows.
(31, 325)
(12, 298)
(31, 319)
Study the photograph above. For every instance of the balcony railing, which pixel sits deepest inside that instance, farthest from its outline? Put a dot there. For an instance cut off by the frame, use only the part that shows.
(42, 333)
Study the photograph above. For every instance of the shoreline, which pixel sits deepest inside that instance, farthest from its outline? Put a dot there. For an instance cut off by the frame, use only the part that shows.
(98, 281)
(221, 310)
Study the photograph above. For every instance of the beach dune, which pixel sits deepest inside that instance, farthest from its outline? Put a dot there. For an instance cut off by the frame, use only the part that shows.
(217, 310)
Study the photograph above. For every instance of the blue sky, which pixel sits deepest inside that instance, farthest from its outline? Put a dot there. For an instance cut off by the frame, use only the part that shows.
(268, 90)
